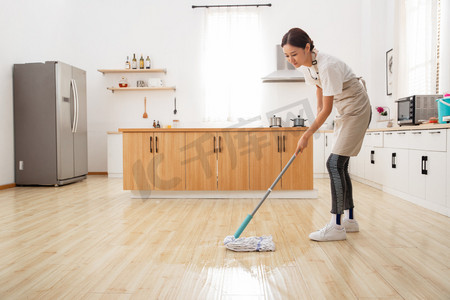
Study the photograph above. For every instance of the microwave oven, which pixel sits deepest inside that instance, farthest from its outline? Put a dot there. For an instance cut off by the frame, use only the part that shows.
(416, 109)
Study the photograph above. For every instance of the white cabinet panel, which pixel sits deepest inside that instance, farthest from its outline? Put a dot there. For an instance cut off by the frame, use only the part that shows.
(319, 153)
(436, 178)
(372, 164)
(373, 139)
(427, 177)
(396, 139)
(432, 140)
(395, 164)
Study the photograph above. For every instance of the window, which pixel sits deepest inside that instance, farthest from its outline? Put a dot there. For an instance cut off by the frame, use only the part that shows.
(231, 63)
(420, 47)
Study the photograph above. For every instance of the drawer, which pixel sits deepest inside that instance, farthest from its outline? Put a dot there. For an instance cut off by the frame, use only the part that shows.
(396, 139)
(428, 140)
(373, 139)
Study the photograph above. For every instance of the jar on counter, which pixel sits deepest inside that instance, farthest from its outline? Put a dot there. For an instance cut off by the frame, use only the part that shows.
(175, 123)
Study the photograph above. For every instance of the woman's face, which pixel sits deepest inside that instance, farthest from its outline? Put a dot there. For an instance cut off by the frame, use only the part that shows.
(297, 56)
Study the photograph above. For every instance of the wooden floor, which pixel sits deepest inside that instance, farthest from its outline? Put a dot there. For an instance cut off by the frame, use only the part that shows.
(90, 240)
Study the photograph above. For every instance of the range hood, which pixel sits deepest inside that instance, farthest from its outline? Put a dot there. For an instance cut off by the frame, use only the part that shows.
(285, 71)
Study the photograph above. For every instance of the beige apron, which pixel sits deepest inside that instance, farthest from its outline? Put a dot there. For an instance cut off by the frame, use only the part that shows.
(353, 107)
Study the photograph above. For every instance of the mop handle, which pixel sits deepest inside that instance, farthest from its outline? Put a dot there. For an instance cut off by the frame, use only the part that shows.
(274, 184)
(247, 220)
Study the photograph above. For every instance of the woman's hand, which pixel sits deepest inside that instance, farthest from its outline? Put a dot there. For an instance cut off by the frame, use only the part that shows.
(302, 143)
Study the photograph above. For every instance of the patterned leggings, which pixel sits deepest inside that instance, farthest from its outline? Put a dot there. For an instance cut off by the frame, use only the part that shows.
(341, 185)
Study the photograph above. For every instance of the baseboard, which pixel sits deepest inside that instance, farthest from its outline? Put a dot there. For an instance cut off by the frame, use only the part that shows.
(294, 194)
(7, 186)
(98, 173)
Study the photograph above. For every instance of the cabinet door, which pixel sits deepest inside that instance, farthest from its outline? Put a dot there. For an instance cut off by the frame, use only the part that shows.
(201, 161)
(395, 167)
(436, 178)
(233, 161)
(138, 164)
(373, 164)
(169, 161)
(416, 178)
(265, 159)
(328, 145)
(319, 153)
(299, 176)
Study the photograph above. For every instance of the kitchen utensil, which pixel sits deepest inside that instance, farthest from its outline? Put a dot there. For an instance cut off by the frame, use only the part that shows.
(247, 244)
(140, 83)
(299, 122)
(275, 121)
(145, 116)
(175, 105)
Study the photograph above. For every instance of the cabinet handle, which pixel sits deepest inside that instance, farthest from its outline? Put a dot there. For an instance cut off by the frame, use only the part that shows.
(326, 141)
(284, 143)
(388, 133)
(220, 139)
(156, 144)
(416, 132)
(214, 144)
(278, 143)
(434, 132)
(394, 160)
(372, 157)
(424, 165)
(151, 148)
(377, 133)
(401, 132)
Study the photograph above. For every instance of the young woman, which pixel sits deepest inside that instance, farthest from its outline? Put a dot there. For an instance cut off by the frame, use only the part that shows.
(336, 85)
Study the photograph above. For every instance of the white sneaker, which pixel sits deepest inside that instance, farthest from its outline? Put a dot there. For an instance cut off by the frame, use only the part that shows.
(329, 233)
(350, 225)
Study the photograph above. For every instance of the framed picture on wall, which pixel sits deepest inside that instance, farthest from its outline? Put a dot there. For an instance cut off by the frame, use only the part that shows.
(389, 71)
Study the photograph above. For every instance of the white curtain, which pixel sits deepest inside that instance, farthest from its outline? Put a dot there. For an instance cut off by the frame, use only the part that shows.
(231, 63)
(417, 45)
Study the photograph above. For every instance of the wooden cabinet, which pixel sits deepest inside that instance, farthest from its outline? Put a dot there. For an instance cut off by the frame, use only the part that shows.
(201, 161)
(207, 160)
(299, 176)
(265, 159)
(169, 161)
(154, 161)
(233, 161)
(270, 152)
(138, 164)
(217, 161)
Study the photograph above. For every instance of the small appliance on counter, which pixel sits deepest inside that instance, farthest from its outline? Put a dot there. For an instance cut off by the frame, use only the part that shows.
(275, 121)
(413, 110)
(299, 122)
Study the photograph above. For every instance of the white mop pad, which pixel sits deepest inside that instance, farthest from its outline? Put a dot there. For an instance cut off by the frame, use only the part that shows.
(253, 243)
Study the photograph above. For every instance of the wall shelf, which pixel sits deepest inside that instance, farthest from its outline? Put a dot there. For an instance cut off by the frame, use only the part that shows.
(162, 88)
(105, 71)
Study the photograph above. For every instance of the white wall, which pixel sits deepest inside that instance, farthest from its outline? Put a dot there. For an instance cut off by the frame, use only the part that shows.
(100, 34)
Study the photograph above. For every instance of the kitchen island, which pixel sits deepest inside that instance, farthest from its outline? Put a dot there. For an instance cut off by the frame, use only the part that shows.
(215, 162)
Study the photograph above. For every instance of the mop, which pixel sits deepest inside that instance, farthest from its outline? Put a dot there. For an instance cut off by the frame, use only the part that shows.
(254, 243)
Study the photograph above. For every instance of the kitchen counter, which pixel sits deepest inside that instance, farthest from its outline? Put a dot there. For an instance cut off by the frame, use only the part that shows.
(416, 127)
(256, 129)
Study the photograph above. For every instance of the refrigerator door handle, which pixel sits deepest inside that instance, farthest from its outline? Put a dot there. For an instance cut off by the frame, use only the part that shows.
(77, 103)
(72, 85)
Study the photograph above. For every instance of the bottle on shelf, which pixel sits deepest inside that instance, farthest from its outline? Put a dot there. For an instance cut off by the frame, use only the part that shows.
(134, 62)
(147, 63)
(127, 63)
(157, 125)
(154, 124)
(141, 62)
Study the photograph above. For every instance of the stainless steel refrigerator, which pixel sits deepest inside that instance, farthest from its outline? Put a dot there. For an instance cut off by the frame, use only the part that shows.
(50, 124)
